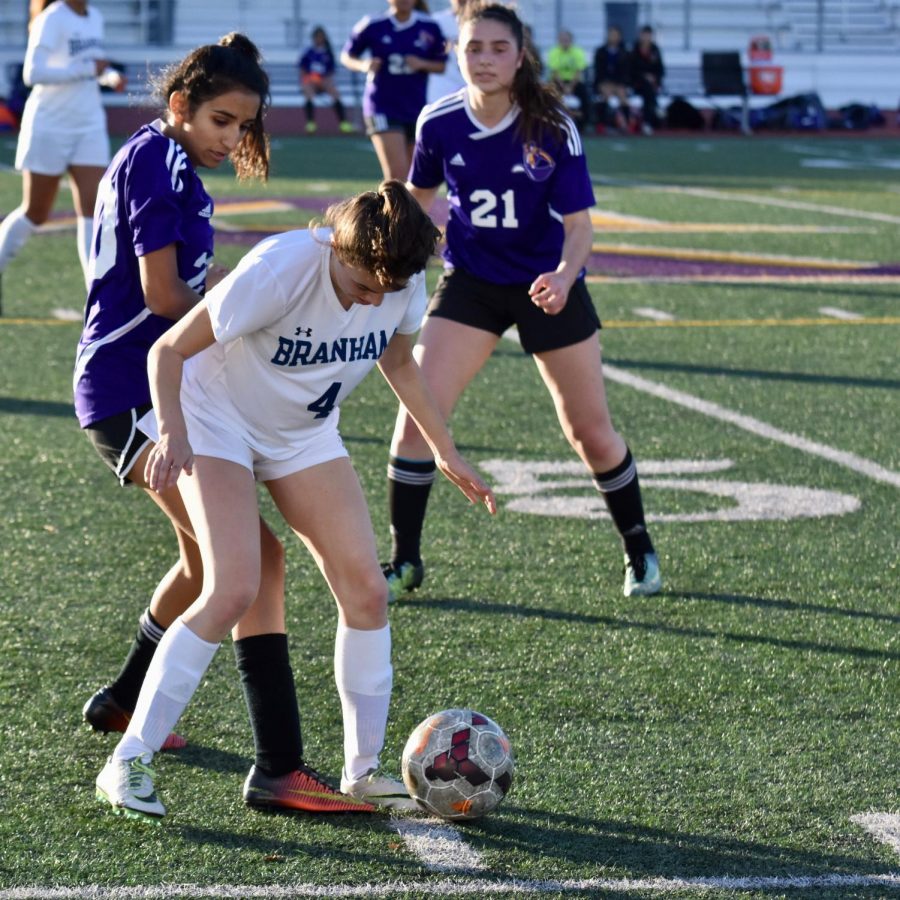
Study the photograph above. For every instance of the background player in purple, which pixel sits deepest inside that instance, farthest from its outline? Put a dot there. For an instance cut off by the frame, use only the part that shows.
(518, 237)
(316, 67)
(404, 45)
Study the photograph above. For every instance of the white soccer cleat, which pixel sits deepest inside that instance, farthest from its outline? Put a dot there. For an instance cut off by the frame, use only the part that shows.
(380, 790)
(127, 786)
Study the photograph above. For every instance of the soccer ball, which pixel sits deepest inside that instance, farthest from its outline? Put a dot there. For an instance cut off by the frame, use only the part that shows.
(457, 764)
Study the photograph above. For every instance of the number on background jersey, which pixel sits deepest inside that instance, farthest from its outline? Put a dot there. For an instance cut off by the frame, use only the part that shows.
(325, 404)
(482, 215)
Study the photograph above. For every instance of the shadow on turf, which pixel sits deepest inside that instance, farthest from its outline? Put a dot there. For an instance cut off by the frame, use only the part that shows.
(791, 605)
(18, 407)
(486, 607)
(645, 851)
(761, 374)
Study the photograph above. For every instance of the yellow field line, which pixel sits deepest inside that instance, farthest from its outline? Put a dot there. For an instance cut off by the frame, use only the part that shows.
(756, 259)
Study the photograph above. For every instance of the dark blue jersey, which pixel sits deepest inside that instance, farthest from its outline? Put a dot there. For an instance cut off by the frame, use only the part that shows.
(150, 197)
(507, 197)
(394, 91)
(316, 61)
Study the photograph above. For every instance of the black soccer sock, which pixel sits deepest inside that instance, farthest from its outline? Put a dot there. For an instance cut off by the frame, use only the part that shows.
(339, 111)
(622, 494)
(409, 484)
(127, 686)
(268, 685)
(310, 111)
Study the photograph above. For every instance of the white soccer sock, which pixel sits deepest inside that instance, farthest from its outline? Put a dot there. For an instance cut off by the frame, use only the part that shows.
(15, 230)
(85, 228)
(364, 676)
(180, 661)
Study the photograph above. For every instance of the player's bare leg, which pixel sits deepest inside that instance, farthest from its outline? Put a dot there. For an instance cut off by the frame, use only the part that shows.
(450, 355)
(574, 377)
(325, 507)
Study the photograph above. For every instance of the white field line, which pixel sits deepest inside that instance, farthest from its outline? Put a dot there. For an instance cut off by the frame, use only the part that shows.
(453, 887)
(748, 423)
(438, 845)
(884, 827)
(732, 196)
(837, 313)
(648, 312)
(754, 426)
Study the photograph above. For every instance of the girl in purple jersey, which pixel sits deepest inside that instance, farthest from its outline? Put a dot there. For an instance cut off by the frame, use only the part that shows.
(403, 46)
(518, 238)
(248, 386)
(316, 67)
(150, 266)
(63, 123)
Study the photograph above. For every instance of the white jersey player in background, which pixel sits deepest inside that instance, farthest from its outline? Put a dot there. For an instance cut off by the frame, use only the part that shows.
(247, 386)
(64, 123)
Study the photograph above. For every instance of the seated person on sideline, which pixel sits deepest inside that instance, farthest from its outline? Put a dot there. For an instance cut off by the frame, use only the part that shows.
(316, 66)
(611, 80)
(647, 71)
(566, 66)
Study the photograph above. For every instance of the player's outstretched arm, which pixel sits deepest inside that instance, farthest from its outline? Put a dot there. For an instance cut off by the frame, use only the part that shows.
(402, 373)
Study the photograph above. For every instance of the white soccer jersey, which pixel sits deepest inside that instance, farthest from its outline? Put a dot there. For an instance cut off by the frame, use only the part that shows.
(59, 62)
(286, 352)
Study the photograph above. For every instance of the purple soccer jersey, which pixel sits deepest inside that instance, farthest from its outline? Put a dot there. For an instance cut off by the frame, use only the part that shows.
(150, 197)
(507, 197)
(396, 92)
(316, 61)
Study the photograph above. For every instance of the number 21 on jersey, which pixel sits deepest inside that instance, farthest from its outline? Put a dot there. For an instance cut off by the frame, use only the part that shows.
(484, 213)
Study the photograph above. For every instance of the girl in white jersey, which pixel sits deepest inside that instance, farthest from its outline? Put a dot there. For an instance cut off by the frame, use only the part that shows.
(518, 238)
(247, 386)
(64, 123)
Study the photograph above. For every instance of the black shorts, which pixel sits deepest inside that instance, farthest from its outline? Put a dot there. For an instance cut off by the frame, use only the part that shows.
(495, 307)
(379, 124)
(118, 440)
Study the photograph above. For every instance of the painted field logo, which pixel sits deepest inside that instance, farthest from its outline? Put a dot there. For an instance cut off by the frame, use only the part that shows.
(545, 489)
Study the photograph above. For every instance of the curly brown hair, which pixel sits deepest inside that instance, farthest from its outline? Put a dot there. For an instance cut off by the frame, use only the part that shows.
(384, 232)
(207, 72)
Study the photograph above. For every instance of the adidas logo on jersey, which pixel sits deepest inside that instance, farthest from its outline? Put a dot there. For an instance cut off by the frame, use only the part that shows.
(457, 160)
(206, 212)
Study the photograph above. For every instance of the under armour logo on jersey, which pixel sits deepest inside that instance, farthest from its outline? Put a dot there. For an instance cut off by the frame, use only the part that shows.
(457, 160)
(206, 212)
(301, 330)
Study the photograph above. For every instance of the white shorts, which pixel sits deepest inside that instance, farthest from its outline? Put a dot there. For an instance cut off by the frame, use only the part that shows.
(220, 438)
(52, 152)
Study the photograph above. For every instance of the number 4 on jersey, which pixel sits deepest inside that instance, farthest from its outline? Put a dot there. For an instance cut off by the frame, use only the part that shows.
(325, 404)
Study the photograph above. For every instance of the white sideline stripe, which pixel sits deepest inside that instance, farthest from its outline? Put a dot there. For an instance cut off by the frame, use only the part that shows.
(748, 423)
(755, 426)
(731, 196)
(450, 887)
(648, 312)
(884, 827)
(837, 313)
(438, 845)
(67, 315)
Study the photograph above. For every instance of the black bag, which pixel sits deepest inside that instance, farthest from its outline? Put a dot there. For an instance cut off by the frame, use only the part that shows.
(682, 114)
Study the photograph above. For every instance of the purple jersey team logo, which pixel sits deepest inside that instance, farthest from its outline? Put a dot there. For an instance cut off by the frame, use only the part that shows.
(539, 164)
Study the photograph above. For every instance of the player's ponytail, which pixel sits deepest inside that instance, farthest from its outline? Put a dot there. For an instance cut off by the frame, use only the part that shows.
(384, 232)
(234, 63)
(540, 105)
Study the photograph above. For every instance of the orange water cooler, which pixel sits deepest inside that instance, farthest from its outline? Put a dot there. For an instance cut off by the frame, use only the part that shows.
(764, 77)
